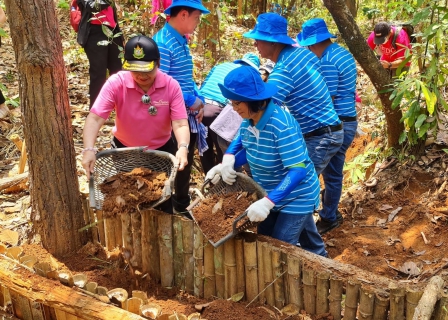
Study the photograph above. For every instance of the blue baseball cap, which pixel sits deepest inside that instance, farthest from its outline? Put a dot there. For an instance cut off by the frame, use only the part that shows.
(270, 27)
(196, 4)
(251, 59)
(245, 84)
(314, 31)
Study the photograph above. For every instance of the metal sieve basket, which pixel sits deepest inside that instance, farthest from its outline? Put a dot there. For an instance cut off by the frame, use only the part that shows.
(110, 162)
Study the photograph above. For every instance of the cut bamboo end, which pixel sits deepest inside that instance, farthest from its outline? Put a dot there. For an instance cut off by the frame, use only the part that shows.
(251, 269)
(366, 303)
(322, 292)
(335, 298)
(397, 301)
(309, 290)
(351, 299)
(381, 307)
(412, 299)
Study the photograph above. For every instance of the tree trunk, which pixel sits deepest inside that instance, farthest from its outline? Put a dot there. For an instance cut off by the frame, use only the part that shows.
(366, 58)
(351, 5)
(56, 202)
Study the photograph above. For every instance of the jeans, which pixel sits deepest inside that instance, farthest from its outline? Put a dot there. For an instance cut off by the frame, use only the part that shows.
(293, 228)
(210, 158)
(322, 148)
(333, 174)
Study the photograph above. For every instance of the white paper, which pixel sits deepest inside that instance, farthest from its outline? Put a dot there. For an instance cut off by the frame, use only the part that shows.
(227, 123)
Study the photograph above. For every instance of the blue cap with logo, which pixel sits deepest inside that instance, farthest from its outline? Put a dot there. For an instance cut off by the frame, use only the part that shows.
(270, 27)
(195, 4)
(314, 31)
(245, 84)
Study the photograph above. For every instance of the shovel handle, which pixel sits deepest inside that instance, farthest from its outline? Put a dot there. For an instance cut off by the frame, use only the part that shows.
(238, 219)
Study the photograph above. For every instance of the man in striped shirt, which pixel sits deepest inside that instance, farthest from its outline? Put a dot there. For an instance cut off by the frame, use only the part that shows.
(176, 61)
(339, 70)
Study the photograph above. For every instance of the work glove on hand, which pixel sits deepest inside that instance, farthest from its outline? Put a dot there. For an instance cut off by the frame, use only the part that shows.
(258, 211)
(228, 174)
(214, 174)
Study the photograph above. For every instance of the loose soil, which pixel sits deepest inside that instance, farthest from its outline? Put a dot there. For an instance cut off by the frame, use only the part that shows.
(216, 214)
(124, 192)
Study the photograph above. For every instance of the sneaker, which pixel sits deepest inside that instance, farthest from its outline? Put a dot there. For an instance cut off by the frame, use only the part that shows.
(339, 216)
(325, 225)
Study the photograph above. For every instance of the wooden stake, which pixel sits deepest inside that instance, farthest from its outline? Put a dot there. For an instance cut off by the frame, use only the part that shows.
(101, 231)
(322, 292)
(240, 265)
(94, 228)
(441, 312)
(229, 268)
(154, 249)
(366, 303)
(397, 296)
(351, 299)
(425, 306)
(219, 271)
(146, 242)
(118, 232)
(335, 298)
(309, 290)
(165, 236)
(141, 295)
(126, 234)
(23, 158)
(381, 307)
(209, 270)
(279, 284)
(250, 269)
(133, 305)
(188, 243)
(178, 257)
(295, 281)
(37, 310)
(136, 221)
(109, 226)
(5, 297)
(198, 255)
(267, 274)
(21, 306)
(412, 299)
(260, 260)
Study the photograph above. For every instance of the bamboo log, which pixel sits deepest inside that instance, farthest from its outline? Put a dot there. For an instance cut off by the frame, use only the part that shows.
(335, 298)
(250, 269)
(441, 312)
(229, 268)
(240, 265)
(322, 292)
(381, 307)
(295, 281)
(5, 297)
(178, 258)
(412, 299)
(209, 270)
(126, 234)
(133, 305)
(366, 303)
(198, 255)
(397, 296)
(277, 273)
(309, 290)
(109, 226)
(425, 306)
(267, 274)
(60, 315)
(351, 300)
(101, 228)
(141, 295)
(86, 215)
(136, 221)
(262, 295)
(118, 232)
(154, 249)
(188, 263)
(146, 242)
(49, 312)
(6, 183)
(21, 305)
(219, 271)
(165, 236)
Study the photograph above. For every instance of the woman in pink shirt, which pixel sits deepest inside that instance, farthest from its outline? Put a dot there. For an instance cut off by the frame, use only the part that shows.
(148, 104)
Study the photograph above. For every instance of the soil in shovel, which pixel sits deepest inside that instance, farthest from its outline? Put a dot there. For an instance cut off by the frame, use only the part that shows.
(125, 191)
(216, 214)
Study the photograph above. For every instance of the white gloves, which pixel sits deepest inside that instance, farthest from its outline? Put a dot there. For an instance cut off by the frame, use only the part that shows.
(214, 174)
(228, 174)
(258, 211)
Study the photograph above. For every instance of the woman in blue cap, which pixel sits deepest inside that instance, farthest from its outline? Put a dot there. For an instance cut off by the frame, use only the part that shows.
(271, 141)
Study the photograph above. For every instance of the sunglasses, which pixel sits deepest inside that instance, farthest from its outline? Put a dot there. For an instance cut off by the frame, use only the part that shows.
(146, 99)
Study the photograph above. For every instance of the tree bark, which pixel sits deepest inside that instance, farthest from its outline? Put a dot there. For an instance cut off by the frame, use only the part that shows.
(425, 306)
(366, 58)
(56, 201)
(352, 7)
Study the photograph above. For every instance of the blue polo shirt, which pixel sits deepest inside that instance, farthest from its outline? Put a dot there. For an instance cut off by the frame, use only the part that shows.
(273, 145)
(339, 70)
(302, 89)
(210, 89)
(176, 60)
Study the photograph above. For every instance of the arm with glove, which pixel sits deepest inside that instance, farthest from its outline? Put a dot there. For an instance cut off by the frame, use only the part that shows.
(259, 210)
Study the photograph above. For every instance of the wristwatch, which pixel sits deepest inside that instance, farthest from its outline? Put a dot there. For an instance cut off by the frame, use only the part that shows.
(183, 145)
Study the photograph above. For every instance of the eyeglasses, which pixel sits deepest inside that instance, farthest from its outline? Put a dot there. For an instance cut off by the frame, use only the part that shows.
(235, 103)
(146, 99)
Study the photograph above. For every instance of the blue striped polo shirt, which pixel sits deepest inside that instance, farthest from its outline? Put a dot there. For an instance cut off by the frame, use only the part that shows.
(302, 89)
(176, 60)
(210, 89)
(274, 145)
(339, 70)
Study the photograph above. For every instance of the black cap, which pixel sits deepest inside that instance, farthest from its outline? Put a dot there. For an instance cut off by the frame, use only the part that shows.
(140, 53)
(382, 30)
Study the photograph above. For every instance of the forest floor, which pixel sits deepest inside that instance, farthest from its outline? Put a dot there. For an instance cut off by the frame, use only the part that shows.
(395, 219)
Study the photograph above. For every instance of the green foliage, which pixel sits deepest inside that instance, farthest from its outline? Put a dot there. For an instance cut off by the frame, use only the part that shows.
(420, 95)
(357, 167)
(13, 101)
(63, 4)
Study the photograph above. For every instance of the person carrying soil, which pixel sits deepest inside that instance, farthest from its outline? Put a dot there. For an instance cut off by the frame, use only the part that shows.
(148, 105)
(271, 141)
(339, 70)
(176, 61)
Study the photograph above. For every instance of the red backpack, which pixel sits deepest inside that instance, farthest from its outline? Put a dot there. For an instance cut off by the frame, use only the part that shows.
(75, 15)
